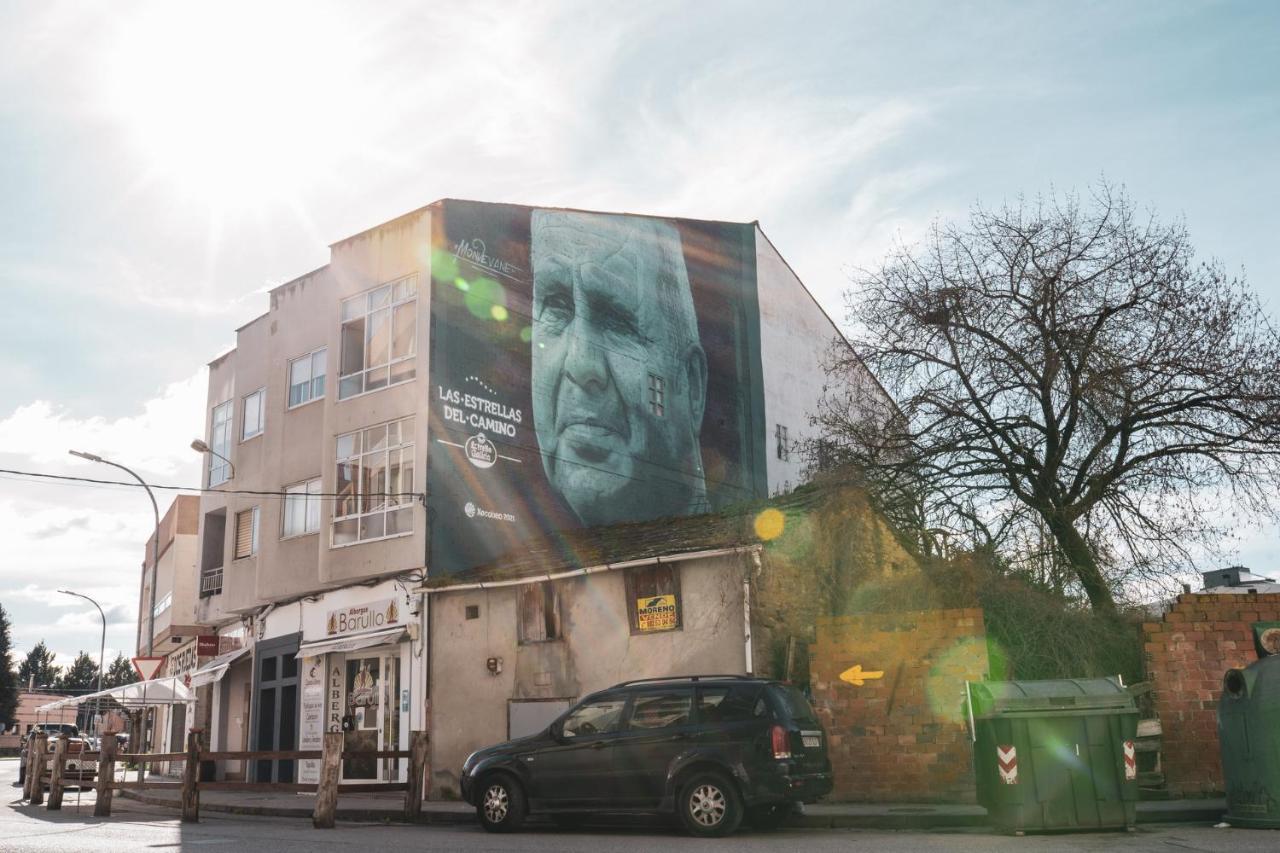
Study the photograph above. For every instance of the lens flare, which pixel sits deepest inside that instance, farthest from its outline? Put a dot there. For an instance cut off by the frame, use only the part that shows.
(769, 524)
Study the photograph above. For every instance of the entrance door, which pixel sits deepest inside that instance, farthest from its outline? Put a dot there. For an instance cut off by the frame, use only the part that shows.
(276, 709)
(373, 703)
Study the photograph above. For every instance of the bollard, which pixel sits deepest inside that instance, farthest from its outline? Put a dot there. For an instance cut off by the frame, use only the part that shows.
(327, 789)
(59, 768)
(106, 776)
(418, 743)
(28, 763)
(36, 774)
(190, 775)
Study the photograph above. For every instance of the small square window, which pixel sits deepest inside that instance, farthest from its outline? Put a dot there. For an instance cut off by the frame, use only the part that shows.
(657, 395)
(473, 611)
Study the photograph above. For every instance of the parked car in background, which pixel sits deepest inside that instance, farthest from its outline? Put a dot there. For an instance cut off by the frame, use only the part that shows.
(50, 729)
(712, 749)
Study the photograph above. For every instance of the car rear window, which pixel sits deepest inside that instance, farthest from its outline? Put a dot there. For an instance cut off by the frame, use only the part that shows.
(794, 704)
(729, 704)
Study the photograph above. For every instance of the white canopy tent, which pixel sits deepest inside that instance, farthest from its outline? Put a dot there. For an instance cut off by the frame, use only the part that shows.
(140, 694)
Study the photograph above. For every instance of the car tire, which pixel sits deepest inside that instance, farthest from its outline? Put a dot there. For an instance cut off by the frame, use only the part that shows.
(501, 805)
(709, 805)
(771, 817)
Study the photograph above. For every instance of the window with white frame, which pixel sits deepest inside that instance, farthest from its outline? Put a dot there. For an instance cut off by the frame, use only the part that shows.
(254, 416)
(379, 333)
(220, 444)
(246, 533)
(374, 483)
(162, 605)
(306, 378)
(301, 508)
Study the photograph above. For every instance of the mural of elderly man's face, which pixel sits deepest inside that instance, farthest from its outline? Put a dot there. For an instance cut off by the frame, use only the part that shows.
(619, 376)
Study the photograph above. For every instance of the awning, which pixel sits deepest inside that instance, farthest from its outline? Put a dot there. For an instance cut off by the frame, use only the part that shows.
(351, 642)
(158, 691)
(216, 668)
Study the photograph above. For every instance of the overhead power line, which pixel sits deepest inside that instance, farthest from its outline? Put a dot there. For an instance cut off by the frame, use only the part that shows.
(67, 479)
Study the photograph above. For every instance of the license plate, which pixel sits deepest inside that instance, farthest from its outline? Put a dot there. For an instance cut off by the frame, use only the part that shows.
(811, 741)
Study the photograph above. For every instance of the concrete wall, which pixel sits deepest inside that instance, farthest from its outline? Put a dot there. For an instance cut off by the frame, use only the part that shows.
(469, 705)
(901, 737)
(1188, 652)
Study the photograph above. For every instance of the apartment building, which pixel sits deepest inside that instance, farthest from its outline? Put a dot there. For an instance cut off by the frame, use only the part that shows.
(452, 387)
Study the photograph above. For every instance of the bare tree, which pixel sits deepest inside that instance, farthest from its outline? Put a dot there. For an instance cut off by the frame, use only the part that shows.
(1065, 372)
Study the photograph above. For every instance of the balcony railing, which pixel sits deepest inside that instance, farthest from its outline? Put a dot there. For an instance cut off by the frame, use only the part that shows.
(211, 582)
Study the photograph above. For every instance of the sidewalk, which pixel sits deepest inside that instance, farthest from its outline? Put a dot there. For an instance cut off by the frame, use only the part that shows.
(389, 807)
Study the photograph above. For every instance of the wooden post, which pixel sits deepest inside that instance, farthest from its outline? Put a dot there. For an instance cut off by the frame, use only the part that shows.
(106, 776)
(59, 767)
(29, 764)
(417, 769)
(191, 773)
(327, 789)
(37, 769)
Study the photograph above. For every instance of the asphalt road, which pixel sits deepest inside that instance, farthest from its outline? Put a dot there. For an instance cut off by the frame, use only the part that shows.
(143, 828)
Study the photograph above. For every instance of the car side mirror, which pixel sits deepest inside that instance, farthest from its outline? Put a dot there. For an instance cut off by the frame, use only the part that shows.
(556, 731)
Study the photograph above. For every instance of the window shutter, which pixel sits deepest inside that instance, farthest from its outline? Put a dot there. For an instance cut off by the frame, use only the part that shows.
(244, 533)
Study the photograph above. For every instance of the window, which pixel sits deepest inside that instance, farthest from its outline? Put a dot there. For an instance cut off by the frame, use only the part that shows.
(246, 533)
(784, 447)
(653, 599)
(162, 605)
(306, 378)
(374, 483)
(663, 710)
(539, 613)
(220, 444)
(729, 704)
(473, 611)
(379, 338)
(301, 508)
(253, 414)
(595, 718)
(657, 395)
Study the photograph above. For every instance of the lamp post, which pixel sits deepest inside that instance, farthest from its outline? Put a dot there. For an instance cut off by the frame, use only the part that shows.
(200, 446)
(155, 540)
(102, 652)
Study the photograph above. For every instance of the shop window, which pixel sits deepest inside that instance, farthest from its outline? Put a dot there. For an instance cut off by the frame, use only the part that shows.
(539, 613)
(653, 598)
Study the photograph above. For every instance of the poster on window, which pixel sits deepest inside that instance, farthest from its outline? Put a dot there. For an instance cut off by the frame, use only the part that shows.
(656, 613)
(312, 717)
(586, 369)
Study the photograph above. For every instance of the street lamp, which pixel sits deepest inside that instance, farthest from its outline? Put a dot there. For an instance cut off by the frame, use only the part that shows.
(102, 653)
(155, 541)
(200, 446)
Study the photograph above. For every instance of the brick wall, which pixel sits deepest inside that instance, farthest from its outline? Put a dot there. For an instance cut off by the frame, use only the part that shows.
(902, 737)
(1188, 651)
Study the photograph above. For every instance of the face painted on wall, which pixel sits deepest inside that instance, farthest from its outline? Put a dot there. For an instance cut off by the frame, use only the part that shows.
(613, 320)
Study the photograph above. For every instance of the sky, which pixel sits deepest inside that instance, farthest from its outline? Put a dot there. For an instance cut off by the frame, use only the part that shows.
(162, 165)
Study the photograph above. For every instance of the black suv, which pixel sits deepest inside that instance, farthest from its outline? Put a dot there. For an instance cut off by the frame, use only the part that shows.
(711, 748)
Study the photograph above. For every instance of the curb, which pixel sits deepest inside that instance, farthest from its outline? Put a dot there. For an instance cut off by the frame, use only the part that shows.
(1208, 812)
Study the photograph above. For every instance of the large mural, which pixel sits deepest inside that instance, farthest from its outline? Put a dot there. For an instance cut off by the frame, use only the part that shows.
(586, 369)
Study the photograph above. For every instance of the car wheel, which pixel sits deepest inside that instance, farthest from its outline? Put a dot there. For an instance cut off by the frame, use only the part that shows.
(501, 807)
(709, 805)
(769, 818)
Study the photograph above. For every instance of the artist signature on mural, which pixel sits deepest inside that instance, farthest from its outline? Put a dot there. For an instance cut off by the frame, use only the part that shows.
(474, 250)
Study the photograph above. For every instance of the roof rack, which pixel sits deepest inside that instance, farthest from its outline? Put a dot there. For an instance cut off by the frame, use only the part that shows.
(681, 678)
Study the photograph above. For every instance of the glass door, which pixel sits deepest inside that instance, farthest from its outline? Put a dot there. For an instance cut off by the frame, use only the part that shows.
(373, 693)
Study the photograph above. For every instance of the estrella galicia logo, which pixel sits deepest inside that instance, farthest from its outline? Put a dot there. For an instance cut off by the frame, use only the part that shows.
(470, 509)
(481, 451)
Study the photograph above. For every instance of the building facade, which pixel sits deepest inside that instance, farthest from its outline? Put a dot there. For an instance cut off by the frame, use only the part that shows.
(452, 388)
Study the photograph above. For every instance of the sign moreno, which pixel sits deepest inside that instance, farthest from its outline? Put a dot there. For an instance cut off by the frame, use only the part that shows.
(656, 613)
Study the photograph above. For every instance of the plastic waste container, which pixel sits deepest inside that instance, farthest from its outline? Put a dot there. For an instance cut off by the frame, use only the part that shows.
(1249, 737)
(1055, 755)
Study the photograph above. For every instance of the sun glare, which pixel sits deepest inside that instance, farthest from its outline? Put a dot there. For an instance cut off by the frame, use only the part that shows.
(238, 105)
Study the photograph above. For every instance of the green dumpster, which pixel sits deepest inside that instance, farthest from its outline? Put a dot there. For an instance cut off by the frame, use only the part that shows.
(1055, 755)
(1249, 736)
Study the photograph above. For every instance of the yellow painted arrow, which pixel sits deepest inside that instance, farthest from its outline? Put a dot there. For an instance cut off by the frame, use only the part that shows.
(855, 676)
